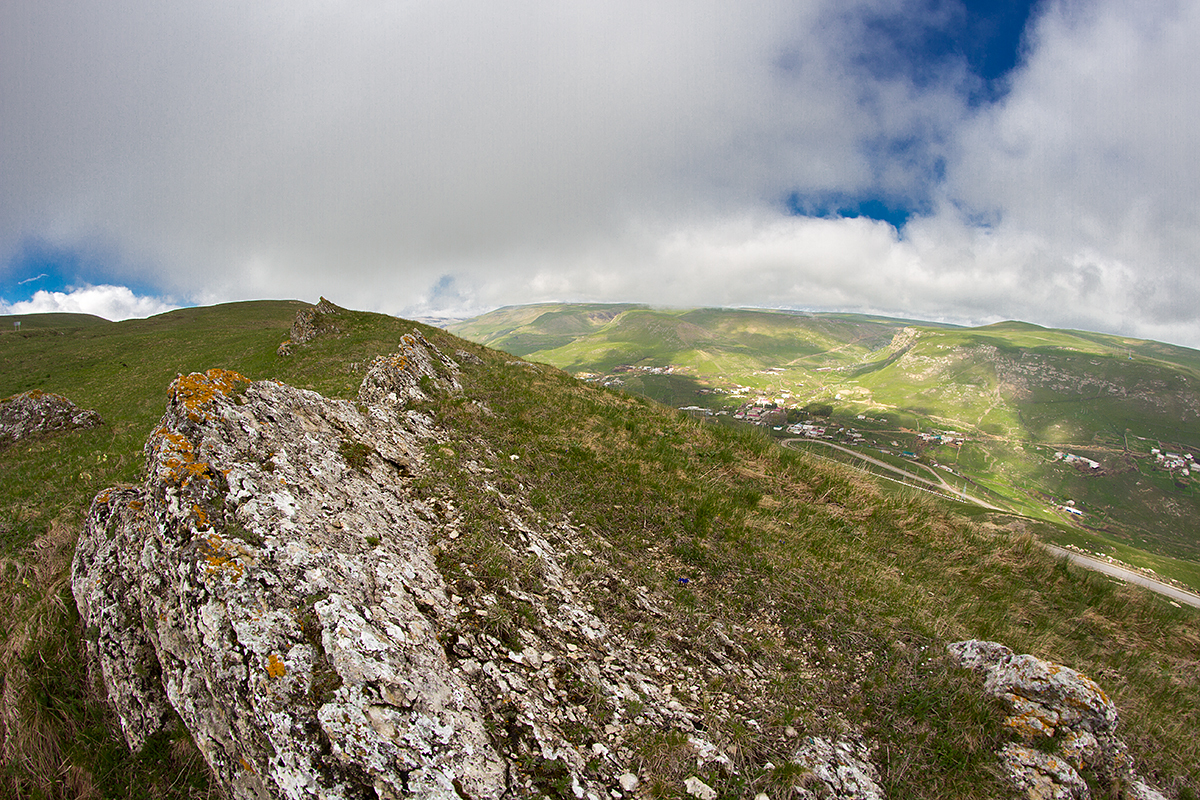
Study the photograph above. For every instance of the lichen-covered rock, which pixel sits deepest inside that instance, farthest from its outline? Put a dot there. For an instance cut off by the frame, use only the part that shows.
(107, 559)
(409, 373)
(1041, 695)
(241, 586)
(277, 581)
(36, 413)
(843, 770)
(1056, 708)
(1042, 776)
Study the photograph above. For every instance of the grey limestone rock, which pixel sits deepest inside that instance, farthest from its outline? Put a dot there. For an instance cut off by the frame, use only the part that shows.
(36, 413)
(1058, 708)
(841, 769)
(275, 583)
(309, 323)
(1042, 776)
(271, 584)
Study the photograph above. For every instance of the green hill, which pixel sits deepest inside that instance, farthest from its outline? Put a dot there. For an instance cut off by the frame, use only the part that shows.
(1016, 393)
(843, 589)
(57, 322)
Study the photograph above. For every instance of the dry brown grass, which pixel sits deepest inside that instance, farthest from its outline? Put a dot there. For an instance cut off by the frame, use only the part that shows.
(35, 586)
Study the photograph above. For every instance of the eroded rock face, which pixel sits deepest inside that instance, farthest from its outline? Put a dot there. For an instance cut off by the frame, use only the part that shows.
(37, 413)
(273, 584)
(841, 769)
(1065, 720)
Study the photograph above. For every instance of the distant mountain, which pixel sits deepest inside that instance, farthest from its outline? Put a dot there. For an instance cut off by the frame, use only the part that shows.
(1036, 408)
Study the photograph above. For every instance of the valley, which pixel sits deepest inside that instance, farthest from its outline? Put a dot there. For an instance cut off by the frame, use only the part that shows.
(1092, 435)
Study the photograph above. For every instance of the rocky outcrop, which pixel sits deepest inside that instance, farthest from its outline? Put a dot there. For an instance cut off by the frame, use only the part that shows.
(38, 413)
(1065, 722)
(279, 583)
(841, 769)
(310, 323)
(296, 584)
(273, 585)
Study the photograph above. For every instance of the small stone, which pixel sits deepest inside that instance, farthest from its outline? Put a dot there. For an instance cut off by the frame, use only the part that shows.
(698, 788)
(628, 781)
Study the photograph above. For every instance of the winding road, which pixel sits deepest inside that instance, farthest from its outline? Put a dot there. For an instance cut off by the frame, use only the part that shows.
(940, 483)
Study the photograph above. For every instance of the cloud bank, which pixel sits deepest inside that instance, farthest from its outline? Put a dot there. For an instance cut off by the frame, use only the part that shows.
(419, 158)
(110, 302)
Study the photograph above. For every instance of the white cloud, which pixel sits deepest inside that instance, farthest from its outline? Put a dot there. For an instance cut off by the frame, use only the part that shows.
(283, 149)
(1092, 156)
(110, 302)
(405, 158)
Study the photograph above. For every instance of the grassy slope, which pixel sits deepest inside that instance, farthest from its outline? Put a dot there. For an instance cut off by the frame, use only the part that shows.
(845, 589)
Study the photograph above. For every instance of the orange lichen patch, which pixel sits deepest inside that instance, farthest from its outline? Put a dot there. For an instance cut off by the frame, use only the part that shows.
(246, 765)
(219, 561)
(275, 666)
(200, 388)
(1030, 725)
(179, 458)
(201, 515)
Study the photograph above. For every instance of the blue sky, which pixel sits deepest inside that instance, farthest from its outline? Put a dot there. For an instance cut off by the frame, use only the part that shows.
(37, 266)
(938, 159)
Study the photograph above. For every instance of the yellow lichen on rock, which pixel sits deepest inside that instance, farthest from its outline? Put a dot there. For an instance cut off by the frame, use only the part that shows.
(199, 389)
(179, 458)
(275, 666)
(219, 560)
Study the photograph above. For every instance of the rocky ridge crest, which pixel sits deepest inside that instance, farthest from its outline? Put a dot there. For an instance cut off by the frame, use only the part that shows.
(273, 582)
(310, 323)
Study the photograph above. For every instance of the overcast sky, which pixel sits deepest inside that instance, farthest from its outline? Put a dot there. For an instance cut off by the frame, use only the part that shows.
(966, 162)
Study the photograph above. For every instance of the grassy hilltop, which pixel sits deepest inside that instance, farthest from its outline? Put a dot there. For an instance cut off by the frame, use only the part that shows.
(848, 587)
(1034, 408)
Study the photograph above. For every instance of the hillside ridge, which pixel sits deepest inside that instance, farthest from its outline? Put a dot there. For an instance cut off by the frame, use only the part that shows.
(279, 582)
(626, 570)
(1010, 410)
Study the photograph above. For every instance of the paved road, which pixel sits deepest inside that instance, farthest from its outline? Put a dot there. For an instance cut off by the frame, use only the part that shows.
(1128, 575)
